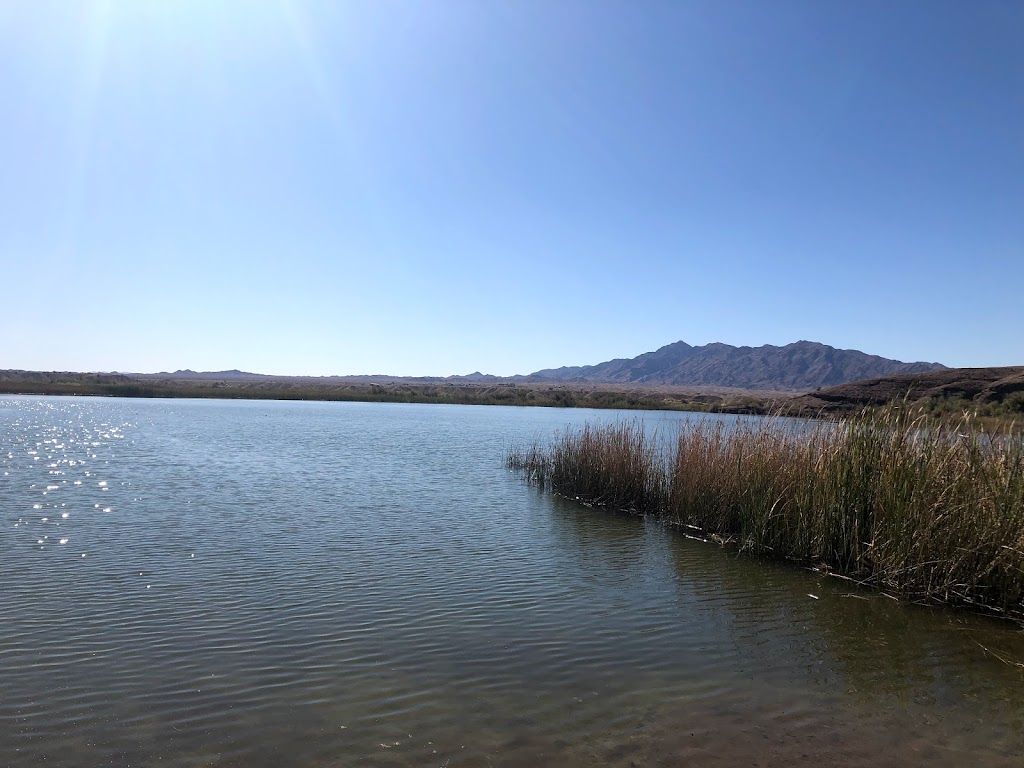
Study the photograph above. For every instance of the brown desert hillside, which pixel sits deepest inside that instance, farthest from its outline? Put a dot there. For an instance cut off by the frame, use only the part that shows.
(984, 386)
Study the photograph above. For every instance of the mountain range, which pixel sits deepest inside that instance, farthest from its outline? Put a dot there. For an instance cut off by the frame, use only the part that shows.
(802, 366)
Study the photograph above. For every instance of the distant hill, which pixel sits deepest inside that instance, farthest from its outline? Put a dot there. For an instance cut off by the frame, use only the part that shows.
(475, 376)
(801, 367)
(978, 385)
(187, 374)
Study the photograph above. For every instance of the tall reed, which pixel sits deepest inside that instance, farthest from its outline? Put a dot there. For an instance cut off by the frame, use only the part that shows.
(905, 503)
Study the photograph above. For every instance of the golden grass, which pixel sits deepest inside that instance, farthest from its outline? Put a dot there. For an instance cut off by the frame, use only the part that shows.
(909, 504)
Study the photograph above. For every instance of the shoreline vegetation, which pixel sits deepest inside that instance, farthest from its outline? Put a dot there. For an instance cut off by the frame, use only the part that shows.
(891, 499)
(466, 393)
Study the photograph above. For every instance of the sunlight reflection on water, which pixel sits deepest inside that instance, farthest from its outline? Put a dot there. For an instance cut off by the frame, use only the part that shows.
(331, 584)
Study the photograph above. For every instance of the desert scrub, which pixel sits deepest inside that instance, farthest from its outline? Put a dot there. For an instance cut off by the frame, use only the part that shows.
(892, 499)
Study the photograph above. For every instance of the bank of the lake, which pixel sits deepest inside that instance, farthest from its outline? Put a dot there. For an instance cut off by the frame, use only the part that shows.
(423, 393)
(993, 397)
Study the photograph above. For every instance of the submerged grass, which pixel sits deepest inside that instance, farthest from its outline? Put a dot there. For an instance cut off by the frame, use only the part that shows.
(905, 503)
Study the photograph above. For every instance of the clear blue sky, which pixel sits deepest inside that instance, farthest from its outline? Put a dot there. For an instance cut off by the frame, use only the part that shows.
(429, 188)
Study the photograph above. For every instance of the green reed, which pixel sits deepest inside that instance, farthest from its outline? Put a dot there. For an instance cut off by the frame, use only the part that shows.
(899, 501)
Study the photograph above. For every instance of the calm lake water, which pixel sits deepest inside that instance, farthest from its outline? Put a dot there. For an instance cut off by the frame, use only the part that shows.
(215, 583)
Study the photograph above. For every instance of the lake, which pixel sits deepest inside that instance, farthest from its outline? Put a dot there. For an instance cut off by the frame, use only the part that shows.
(259, 583)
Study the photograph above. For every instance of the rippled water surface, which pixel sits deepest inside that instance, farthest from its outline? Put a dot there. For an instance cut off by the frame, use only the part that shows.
(214, 583)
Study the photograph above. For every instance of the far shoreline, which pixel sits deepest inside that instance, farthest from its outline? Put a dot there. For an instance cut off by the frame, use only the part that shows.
(992, 397)
(522, 396)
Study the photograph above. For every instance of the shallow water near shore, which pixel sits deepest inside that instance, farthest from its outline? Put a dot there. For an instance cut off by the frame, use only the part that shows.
(219, 583)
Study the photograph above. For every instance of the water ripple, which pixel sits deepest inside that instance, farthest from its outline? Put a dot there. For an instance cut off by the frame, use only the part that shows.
(300, 584)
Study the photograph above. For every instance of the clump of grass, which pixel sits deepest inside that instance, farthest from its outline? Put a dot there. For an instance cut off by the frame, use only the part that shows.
(896, 500)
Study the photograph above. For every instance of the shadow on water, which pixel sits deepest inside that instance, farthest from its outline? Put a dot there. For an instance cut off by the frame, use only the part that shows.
(788, 665)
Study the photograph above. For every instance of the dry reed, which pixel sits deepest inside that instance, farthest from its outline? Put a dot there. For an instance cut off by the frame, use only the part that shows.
(910, 505)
